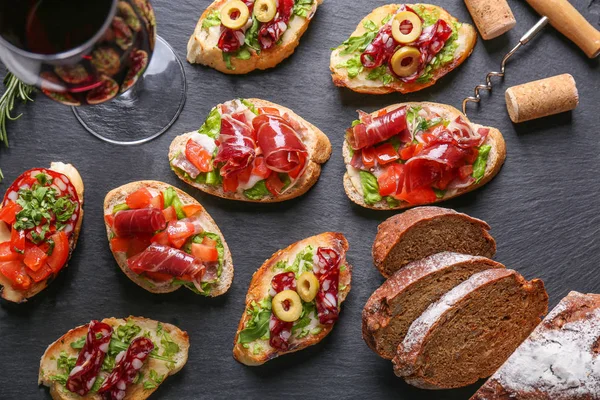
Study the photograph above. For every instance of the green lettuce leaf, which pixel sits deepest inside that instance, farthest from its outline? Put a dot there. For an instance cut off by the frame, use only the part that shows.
(370, 187)
(258, 191)
(353, 66)
(481, 162)
(212, 125)
(213, 19)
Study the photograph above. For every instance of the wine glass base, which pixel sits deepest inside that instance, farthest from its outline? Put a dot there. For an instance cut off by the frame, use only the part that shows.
(145, 111)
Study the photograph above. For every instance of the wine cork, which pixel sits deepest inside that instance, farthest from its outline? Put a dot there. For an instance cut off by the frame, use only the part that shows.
(492, 17)
(541, 98)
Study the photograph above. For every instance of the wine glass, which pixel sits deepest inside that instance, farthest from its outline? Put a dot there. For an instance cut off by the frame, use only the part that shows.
(103, 53)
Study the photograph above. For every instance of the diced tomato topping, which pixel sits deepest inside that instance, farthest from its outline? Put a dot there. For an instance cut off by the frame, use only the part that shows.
(179, 231)
(274, 184)
(7, 253)
(368, 157)
(14, 271)
(60, 253)
(421, 195)
(42, 273)
(192, 209)
(161, 238)
(410, 151)
(137, 244)
(268, 110)
(472, 155)
(158, 276)
(392, 180)
(204, 252)
(230, 184)
(141, 198)
(244, 175)
(198, 156)
(170, 214)
(158, 201)
(386, 154)
(17, 240)
(9, 212)
(34, 258)
(260, 168)
(209, 242)
(465, 171)
(109, 219)
(118, 244)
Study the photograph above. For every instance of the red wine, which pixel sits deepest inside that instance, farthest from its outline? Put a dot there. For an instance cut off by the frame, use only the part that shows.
(52, 26)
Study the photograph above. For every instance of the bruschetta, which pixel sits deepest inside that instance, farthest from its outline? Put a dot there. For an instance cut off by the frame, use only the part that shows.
(294, 299)
(401, 48)
(236, 37)
(251, 150)
(163, 239)
(124, 359)
(410, 154)
(40, 220)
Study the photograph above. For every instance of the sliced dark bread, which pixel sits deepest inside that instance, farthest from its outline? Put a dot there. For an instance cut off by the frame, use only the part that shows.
(423, 231)
(560, 360)
(393, 307)
(471, 330)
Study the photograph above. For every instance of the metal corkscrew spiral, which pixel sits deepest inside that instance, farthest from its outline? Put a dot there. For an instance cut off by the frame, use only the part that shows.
(530, 34)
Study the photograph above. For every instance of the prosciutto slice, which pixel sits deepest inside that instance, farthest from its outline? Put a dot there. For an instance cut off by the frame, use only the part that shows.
(270, 32)
(373, 130)
(90, 359)
(185, 165)
(135, 222)
(281, 146)
(170, 261)
(280, 331)
(236, 145)
(327, 270)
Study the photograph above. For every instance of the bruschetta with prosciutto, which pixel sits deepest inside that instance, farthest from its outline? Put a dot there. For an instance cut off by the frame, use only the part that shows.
(401, 48)
(236, 37)
(411, 154)
(113, 359)
(40, 220)
(294, 299)
(251, 150)
(163, 239)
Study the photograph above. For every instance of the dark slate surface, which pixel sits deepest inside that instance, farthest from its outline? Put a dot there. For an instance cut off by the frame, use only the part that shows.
(543, 209)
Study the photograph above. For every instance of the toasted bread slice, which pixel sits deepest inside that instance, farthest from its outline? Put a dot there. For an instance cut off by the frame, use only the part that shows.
(118, 196)
(471, 330)
(317, 144)
(423, 231)
(259, 351)
(495, 159)
(202, 46)
(18, 296)
(396, 304)
(467, 37)
(49, 367)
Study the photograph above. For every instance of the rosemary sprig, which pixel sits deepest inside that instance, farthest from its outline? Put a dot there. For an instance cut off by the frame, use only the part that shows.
(15, 89)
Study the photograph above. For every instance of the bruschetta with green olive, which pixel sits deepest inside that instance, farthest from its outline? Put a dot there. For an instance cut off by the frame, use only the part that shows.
(251, 150)
(294, 299)
(401, 48)
(40, 220)
(163, 239)
(236, 37)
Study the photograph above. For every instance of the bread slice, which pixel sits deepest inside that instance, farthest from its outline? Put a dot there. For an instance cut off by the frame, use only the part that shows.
(471, 330)
(394, 306)
(558, 361)
(136, 391)
(495, 159)
(467, 37)
(7, 292)
(317, 144)
(202, 45)
(118, 196)
(423, 231)
(259, 351)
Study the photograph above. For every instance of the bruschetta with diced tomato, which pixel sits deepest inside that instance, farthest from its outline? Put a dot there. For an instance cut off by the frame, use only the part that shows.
(294, 299)
(163, 239)
(411, 154)
(401, 48)
(40, 220)
(251, 150)
(236, 37)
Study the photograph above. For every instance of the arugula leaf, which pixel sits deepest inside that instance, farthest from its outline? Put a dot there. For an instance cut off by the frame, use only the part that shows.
(127, 332)
(258, 191)
(357, 44)
(97, 383)
(481, 162)
(227, 59)
(251, 38)
(370, 187)
(302, 8)
(386, 19)
(154, 380)
(381, 74)
(78, 344)
(213, 19)
(353, 66)
(392, 202)
(170, 348)
(429, 16)
(258, 324)
(212, 125)
(308, 309)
